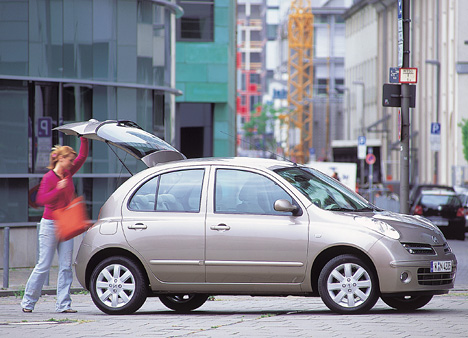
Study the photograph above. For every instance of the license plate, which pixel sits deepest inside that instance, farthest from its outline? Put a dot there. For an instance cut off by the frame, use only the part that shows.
(441, 266)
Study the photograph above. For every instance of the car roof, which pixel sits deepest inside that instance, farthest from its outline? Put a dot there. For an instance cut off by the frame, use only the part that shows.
(438, 192)
(251, 162)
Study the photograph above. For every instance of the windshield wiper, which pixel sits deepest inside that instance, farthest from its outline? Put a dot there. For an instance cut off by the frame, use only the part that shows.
(368, 209)
(342, 209)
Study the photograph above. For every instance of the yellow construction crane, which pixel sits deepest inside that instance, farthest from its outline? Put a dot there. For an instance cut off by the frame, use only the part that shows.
(300, 80)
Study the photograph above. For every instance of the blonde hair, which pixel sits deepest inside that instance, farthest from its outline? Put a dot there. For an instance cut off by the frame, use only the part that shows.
(57, 151)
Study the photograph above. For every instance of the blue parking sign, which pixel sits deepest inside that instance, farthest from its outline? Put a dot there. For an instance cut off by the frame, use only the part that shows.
(44, 126)
(361, 140)
(435, 128)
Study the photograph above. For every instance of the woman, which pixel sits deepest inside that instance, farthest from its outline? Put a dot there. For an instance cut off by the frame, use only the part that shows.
(55, 191)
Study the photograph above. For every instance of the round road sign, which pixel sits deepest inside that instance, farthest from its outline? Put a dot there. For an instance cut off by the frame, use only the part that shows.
(370, 159)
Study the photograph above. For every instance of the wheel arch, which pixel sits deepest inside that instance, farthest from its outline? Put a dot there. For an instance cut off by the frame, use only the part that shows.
(325, 256)
(109, 252)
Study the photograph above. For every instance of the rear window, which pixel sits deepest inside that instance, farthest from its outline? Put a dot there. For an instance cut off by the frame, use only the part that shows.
(440, 200)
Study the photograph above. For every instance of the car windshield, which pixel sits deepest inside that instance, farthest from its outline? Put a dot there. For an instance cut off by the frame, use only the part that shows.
(324, 191)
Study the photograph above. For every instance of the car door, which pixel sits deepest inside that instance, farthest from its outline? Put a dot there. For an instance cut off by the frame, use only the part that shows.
(164, 220)
(247, 241)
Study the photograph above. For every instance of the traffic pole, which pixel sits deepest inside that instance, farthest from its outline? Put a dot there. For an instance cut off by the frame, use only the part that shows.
(405, 118)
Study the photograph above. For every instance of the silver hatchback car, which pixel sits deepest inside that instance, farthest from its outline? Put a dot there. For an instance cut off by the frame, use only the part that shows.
(184, 230)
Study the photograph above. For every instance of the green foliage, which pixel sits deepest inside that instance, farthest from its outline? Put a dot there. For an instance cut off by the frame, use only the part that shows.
(464, 127)
(260, 118)
(19, 293)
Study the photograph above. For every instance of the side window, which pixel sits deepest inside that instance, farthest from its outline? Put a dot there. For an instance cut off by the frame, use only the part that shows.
(178, 191)
(144, 198)
(244, 192)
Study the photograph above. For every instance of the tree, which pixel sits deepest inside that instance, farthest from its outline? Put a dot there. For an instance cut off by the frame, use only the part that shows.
(260, 118)
(464, 127)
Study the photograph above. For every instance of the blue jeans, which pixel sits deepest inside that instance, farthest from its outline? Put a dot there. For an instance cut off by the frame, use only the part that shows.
(48, 243)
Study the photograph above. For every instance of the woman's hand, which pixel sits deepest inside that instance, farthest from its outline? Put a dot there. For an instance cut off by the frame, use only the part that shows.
(62, 184)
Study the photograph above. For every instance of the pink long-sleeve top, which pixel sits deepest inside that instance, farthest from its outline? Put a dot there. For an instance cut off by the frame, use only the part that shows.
(52, 198)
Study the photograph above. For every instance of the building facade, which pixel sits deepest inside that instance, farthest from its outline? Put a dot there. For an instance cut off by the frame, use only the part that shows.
(205, 72)
(328, 91)
(64, 61)
(438, 49)
(251, 66)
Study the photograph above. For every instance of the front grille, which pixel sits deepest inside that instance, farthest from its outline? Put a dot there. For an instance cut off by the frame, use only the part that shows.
(426, 277)
(419, 248)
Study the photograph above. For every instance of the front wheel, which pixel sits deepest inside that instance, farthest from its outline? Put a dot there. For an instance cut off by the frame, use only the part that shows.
(118, 286)
(183, 302)
(347, 285)
(406, 303)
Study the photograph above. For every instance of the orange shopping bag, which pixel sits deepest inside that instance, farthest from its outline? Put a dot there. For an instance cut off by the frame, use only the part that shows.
(72, 220)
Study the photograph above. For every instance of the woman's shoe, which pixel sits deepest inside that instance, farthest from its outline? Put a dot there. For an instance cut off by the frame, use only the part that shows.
(69, 311)
(27, 310)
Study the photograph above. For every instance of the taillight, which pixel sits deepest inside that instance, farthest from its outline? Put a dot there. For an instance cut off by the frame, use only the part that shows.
(418, 210)
(461, 212)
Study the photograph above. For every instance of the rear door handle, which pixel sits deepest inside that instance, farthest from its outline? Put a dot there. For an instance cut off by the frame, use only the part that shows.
(138, 226)
(220, 227)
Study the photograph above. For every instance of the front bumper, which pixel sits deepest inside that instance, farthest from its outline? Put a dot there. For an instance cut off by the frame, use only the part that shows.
(407, 273)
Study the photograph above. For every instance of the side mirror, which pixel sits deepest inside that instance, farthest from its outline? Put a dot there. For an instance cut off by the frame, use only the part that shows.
(285, 206)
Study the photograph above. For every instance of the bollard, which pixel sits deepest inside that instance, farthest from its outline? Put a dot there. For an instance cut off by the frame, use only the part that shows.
(6, 257)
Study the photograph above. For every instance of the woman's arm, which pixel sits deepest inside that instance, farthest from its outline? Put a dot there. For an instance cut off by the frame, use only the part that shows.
(47, 192)
(81, 158)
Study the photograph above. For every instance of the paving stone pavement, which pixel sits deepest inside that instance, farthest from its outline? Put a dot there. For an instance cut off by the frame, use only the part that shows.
(236, 316)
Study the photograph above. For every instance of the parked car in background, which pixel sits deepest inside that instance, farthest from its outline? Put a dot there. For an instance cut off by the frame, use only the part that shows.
(183, 230)
(443, 208)
(416, 190)
(464, 200)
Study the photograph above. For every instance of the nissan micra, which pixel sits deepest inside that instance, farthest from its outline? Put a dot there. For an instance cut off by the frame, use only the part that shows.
(183, 230)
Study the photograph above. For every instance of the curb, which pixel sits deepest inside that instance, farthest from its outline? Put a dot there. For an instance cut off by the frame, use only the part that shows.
(51, 292)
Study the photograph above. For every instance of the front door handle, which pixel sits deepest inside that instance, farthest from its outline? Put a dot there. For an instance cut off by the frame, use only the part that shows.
(138, 226)
(220, 227)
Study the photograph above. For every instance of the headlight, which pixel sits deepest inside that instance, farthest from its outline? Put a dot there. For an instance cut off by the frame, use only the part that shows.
(380, 226)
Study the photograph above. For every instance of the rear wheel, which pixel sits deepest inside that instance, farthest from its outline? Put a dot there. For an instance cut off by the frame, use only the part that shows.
(183, 302)
(118, 286)
(348, 285)
(406, 303)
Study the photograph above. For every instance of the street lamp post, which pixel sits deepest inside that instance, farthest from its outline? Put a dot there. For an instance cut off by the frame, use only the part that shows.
(436, 63)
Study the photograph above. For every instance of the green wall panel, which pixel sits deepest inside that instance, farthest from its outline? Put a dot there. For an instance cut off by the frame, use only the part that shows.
(218, 73)
(187, 72)
(206, 53)
(222, 16)
(206, 92)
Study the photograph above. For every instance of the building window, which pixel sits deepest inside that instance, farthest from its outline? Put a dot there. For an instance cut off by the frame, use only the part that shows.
(322, 87)
(272, 32)
(255, 78)
(197, 23)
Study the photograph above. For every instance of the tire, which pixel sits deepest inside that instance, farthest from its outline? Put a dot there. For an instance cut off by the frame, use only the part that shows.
(183, 302)
(406, 303)
(347, 285)
(118, 286)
